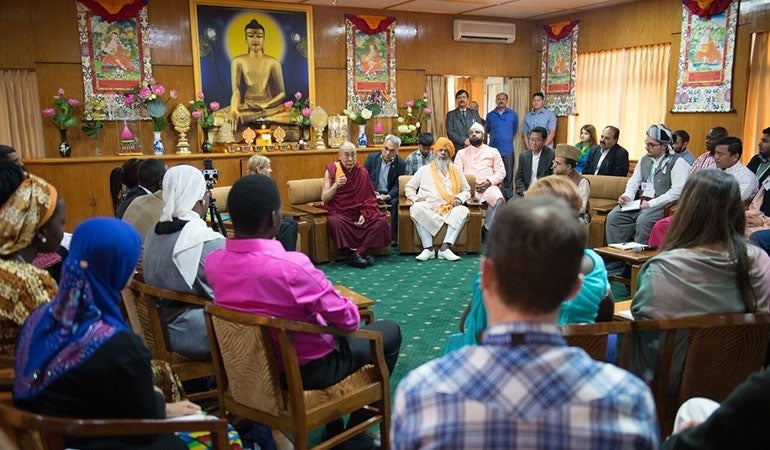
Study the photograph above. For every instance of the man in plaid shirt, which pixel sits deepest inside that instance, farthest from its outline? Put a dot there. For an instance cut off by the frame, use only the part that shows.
(523, 387)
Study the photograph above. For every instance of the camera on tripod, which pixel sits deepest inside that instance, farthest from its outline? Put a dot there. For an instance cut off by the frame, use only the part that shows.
(210, 174)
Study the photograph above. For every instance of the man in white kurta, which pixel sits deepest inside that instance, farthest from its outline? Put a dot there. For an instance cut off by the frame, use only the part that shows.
(438, 192)
(485, 163)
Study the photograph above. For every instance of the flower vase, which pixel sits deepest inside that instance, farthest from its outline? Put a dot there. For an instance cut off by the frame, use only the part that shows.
(95, 140)
(206, 146)
(362, 141)
(157, 144)
(65, 150)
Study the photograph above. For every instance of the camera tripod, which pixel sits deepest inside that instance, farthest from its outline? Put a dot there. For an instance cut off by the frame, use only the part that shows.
(216, 219)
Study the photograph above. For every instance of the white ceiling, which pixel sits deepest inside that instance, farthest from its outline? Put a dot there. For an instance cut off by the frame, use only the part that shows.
(504, 9)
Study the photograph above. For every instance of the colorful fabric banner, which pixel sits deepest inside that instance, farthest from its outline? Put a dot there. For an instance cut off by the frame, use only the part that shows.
(706, 61)
(706, 8)
(371, 56)
(559, 66)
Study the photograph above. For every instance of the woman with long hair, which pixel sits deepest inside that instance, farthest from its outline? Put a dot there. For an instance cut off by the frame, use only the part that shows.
(587, 140)
(31, 222)
(705, 265)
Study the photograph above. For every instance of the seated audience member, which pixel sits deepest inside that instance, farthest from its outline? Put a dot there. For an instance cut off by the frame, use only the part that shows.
(384, 169)
(8, 153)
(706, 160)
(122, 180)
(438, 192)
(486, 164)
(657, 182)
(79, 358)
(174, 251)
(420, 157)
(727, 157)
(760, 163)
(608, 158)
(355, 221)
(144, 212)
(681, 140)
(287, 232)
(582, 308)
(534, 163)
(761, 239)
(565, 163)
(739, 422)
(31, 221)
(150, 175)
(705, 266)
(524, 387)
(587, 140)
(253, 273)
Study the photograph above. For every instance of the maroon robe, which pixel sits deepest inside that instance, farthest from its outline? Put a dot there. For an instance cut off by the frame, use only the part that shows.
(354, 198)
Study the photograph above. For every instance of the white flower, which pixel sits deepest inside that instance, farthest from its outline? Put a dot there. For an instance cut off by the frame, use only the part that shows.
(412, 128)
(417, 124)
(400, 119)
(352, 116)
(366, 114)
(409, 109)
(403, 129)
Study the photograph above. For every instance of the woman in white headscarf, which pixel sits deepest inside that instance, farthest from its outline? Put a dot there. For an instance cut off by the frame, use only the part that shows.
(174, 251)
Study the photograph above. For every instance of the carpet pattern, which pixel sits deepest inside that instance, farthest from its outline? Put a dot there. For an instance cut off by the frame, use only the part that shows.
(426, 299)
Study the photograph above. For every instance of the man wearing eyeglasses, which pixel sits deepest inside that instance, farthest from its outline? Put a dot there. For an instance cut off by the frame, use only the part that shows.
(657, 181)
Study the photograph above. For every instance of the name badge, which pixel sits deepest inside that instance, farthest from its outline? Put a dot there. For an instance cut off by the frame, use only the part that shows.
(648, 189)
(766, 184)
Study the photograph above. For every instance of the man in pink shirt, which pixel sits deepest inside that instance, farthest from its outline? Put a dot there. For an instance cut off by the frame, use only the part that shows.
(486, 164)
(253, 273)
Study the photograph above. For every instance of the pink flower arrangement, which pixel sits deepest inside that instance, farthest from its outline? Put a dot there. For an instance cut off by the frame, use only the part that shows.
(202, 113)
(415, 113)
(300, 109)
(62, 111)
(150, 95)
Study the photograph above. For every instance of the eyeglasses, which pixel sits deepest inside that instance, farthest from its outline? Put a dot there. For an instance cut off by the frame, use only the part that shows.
(651, 145)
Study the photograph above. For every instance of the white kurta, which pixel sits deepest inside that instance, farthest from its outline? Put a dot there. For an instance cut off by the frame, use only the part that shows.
(422, 191)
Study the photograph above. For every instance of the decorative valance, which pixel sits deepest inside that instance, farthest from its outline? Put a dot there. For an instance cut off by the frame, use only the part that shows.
(114, 10)
(706, 8)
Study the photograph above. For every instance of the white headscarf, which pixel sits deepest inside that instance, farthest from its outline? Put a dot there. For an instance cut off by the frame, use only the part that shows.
(183, 186)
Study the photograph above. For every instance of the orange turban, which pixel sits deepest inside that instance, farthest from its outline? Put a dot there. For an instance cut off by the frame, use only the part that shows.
(444, 142)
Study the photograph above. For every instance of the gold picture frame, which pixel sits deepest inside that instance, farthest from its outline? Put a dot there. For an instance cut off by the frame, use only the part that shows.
(220, 47)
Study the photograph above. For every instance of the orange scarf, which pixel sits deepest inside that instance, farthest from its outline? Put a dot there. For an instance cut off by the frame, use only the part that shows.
(454, 175)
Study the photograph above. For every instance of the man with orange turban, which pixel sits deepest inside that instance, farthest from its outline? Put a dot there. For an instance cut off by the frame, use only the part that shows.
(438, 192)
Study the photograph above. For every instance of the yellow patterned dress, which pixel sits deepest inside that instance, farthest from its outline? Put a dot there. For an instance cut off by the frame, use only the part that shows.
(23, 287)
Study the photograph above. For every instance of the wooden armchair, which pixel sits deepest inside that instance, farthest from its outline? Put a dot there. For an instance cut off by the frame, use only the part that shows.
(23, 430)
(140, 301)
(250, 381)
(305, 198)
(468, 241)
(721, 352)
(594, 338)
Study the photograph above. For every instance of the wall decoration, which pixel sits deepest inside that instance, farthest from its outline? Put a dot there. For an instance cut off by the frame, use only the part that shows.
(115, 58)
(559, 66)
(706, 59)
(371, 61)
(252, 58)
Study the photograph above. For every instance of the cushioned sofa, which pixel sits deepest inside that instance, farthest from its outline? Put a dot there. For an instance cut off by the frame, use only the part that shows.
(468, 241)
(605, 191)
(305, 199)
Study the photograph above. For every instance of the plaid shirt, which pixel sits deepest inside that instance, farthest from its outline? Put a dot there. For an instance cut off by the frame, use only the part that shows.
(535, 396)
(415, 160)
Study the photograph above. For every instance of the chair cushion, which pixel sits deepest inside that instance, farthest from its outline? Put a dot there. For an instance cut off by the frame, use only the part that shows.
(304, 191)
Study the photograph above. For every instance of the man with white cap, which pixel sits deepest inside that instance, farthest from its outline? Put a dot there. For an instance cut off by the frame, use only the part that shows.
(534, 163)
(564, 164)
(657, 181)
(486, 164)
(438, 192)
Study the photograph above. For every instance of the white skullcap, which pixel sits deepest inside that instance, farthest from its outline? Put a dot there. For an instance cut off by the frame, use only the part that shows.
(477, 126)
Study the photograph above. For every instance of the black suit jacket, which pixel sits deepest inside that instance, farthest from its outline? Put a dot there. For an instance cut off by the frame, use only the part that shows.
(615, 164)
(524, 171)
(397, 168)
(457, 126)
(753, 166)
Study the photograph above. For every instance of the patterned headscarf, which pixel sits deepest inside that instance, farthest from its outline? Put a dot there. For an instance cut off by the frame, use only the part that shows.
(25, 211)
(85, 313)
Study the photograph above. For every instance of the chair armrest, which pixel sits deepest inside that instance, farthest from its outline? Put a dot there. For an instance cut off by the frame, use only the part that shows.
(310, 209)
(168, 294)
(603, 210)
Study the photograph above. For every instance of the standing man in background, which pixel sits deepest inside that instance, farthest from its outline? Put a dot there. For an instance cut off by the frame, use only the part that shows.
(459, 120)
(501, 126)
(540, 116)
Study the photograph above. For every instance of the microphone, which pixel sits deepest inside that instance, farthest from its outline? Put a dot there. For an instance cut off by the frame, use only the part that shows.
(643, 248)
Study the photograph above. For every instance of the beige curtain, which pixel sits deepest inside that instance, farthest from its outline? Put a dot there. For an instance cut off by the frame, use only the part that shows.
(625, 88)
(21, 124)
(436, 89)
(519, 101)
(757, 115)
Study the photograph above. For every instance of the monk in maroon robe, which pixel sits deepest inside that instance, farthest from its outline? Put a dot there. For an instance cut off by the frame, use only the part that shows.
(355, 221)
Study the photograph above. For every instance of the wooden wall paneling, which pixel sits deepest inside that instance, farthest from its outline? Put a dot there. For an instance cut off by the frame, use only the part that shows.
(330, 89)
(55, 31)
(15, 21)
(50, 77)
(170, 33)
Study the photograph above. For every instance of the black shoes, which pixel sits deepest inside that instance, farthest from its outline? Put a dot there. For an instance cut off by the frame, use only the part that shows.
(357, 261)
(369, 259)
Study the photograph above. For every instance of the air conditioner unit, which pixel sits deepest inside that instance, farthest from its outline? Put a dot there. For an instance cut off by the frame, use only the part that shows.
(480, 31)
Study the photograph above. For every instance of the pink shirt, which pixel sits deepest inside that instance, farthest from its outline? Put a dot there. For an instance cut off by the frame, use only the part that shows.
(258, 276)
